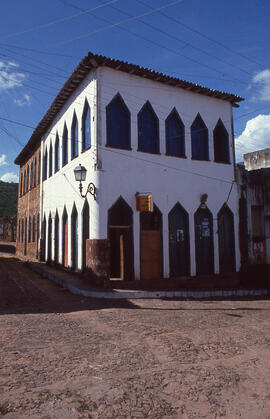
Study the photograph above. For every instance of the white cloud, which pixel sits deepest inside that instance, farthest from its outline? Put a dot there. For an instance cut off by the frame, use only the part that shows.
(3, 161)
(25, 101)
(256, 136)
(10, 177)
(9, 77)
(262, 79)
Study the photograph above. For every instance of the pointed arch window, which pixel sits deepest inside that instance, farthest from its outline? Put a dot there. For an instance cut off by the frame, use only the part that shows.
(21, 184)
(33, 229)
(27, 179)
(148, 130)
(175, 135)
(74, 137)
(56, 154)
(35, 172)
(29, 230)
(31, 176)
(65, 146)
(45, 164)
(118, 124)
(199, 139)
(50, 160)
(24, 181)
(221, 143)
(86, 127)
(39, 167)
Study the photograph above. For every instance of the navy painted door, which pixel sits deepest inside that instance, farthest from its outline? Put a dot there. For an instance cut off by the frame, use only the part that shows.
(204, 242)
(226, 240)
(179, 242)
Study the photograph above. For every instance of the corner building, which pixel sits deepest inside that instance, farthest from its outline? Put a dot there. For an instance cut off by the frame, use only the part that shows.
(137, 131)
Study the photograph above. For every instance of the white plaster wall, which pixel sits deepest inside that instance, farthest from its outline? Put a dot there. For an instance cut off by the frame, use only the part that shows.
(61, 190)
(169, 179)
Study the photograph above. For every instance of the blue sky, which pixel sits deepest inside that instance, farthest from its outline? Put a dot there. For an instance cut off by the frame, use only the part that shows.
(223, 45)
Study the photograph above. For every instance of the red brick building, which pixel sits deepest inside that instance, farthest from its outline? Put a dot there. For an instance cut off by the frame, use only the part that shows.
(28, 215)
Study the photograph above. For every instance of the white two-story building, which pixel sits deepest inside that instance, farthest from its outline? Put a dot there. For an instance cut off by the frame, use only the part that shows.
(138, 132)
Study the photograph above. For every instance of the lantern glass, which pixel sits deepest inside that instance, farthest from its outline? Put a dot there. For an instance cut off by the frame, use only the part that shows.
(80, 173)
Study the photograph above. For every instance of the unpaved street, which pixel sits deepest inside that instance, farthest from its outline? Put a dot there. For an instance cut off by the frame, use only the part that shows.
(64, 356)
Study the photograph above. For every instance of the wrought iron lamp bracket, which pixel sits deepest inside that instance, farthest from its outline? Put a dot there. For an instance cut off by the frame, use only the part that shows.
(90, 188)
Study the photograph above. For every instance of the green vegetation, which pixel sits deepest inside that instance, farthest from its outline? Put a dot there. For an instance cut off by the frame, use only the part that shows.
(8, 199)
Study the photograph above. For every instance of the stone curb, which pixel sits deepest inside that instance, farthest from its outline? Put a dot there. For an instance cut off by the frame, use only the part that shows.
(139, 294)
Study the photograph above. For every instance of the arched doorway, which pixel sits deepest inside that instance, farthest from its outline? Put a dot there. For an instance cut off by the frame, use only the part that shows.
(179, 242)
(43, 237)
(151, 244)
(120, 233)
(74, 238)
(56, 238)
(25, 236)
(203, 220)
(226, 240)
(65, 238)
(49, 258)
(85, 230)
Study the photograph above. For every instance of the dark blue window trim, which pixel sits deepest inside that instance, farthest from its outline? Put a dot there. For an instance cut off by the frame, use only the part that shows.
(118, 124)
(148, 130)
(175, 135)
(221, 143)
(199, 139)
(65, 146)
(86, 127)
(74, 137)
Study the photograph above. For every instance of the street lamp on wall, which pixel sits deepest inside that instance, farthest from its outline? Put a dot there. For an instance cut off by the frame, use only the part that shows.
(80, 176)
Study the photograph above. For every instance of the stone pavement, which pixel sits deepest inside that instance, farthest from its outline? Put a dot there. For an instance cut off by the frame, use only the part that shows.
(80, 285)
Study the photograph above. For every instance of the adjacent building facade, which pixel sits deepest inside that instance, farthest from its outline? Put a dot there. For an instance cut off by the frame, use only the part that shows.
(138, 133)
(254, 182)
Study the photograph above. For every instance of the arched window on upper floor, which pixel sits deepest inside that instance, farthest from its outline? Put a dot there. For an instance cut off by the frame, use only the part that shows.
(31, 176)
(148, 130)
(118, 124)
(21, 184)
(221, 143)
(175, 135)
(39, 167)
(27, 179)
(65, 146)
(199, 139)
(74, 136)
(35, 172)
(56, 154)
(24, 181)
(50, 159)
(45, 164)
(86, 126)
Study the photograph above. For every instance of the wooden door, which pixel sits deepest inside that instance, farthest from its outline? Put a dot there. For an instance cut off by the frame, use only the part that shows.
(226, 240)
(66, 246)
(204, 242)
(179, 242)
(151, 254)
(121, 252)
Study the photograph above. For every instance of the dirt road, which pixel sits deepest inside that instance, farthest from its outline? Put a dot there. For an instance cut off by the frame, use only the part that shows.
(64, 356)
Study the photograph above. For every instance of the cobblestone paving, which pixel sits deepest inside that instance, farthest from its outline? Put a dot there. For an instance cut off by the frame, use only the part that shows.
(64, 356)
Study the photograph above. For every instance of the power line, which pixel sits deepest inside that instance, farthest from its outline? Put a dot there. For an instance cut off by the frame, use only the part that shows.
(205, 36)
(64, 19)
(119, 23)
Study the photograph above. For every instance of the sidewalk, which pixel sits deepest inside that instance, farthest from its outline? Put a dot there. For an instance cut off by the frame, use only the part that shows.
(81, 286)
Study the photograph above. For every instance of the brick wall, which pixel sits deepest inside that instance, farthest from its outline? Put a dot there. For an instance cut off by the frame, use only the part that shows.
(28, 213)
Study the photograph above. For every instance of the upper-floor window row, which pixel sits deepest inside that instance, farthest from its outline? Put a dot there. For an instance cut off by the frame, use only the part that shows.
(68, 145)
(118, 124)
(29, 177)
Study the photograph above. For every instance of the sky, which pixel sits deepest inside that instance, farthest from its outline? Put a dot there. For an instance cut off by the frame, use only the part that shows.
(223, 45)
